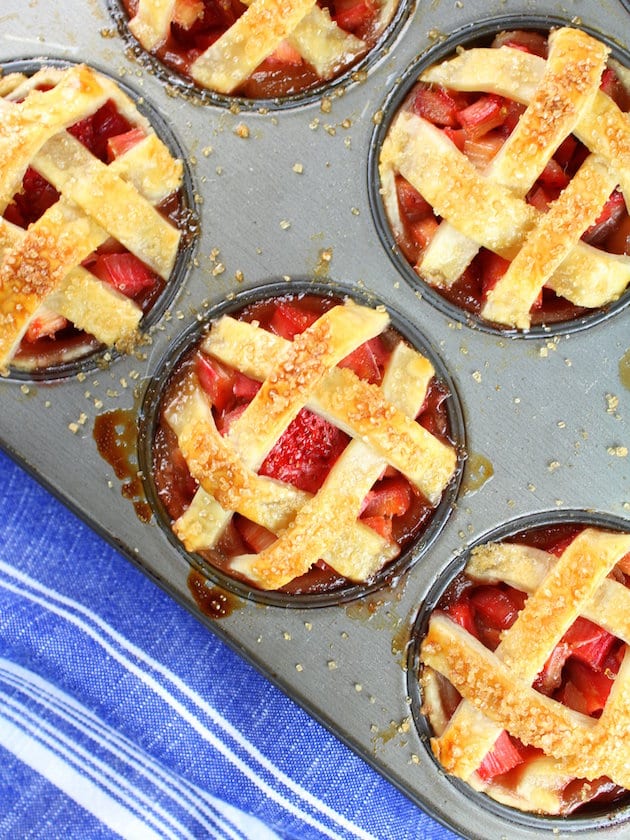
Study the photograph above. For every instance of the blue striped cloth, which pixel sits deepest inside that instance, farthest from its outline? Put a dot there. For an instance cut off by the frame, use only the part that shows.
(121, 715)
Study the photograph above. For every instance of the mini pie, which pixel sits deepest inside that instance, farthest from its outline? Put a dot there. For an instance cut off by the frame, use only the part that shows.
(525, 676)
(505, 178)
(259, 48)
(86, 239)
(287, 450)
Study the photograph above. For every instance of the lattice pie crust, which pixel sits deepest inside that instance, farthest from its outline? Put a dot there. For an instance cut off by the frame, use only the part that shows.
(496, 687)
(488, 208)
(41, 267)
(295, 374)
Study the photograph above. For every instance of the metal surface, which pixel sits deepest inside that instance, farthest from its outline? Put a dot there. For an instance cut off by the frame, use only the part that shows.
(547, 416)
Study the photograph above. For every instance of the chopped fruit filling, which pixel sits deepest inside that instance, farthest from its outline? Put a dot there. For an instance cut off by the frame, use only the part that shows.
(482, 115)
(121, 143)
(391, 507)
(35, 197)
(97, 130)
(579, 673)
(306, 452)
(45, 325)
(124, 272)
(294, 48)
(69, 311)
(284, 55)
(368, 361)
(506, 754)
(478, 124)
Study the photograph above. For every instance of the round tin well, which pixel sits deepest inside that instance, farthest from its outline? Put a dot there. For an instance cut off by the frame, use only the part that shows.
(288, 78)
(74, 350)
(433, 703)
(419, 525)
(407, 229)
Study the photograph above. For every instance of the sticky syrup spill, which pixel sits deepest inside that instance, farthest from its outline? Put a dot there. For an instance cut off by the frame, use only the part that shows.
(479, 470)
(116, 436)
(211, 601)
(400, 641)
(624, 370)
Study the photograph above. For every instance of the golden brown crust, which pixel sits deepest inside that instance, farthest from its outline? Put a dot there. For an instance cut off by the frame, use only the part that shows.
(43, 264)
(496, 687)
(296, 374)
(562, 96)
(250, 39)
(255, 35)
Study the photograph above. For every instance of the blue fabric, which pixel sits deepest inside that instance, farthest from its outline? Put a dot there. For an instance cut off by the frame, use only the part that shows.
(109, 726)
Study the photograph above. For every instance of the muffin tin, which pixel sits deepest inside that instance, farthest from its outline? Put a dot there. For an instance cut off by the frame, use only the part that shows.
(284, 193)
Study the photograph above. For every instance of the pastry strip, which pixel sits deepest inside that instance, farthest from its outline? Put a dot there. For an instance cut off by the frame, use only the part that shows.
(49, 77)
(554, 109)
(200, 525)
(612, 729)
(484, 211)
(302, 522)
(323, 44)
(96, 307)
(325, 526)
(546, 248)
(298, 371)
(152, 22)
(9, 82)
(604, 128)
(586, 276)
(530, 716)
(26, 126)
(212, 460)
(525, 568)
(112, 202)
(547, 615)
(215, 464)
(419, 456)
(85, 300)
(59, 240)
(251, 436)
(251, 38)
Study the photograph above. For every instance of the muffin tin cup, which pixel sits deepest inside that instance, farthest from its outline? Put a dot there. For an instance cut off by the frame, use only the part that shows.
(183, 86)
(614, 819)
(467, 36)
(91, 357)
(391, 573)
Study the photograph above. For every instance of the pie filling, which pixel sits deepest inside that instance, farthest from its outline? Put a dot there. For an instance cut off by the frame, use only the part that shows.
(525, 677)
(302, 445)
(91, 210)
(504, 178)
(259, 49)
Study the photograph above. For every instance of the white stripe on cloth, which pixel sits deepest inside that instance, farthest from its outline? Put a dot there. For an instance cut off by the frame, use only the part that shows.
(121, 649)
(73, 783)
(41, 737)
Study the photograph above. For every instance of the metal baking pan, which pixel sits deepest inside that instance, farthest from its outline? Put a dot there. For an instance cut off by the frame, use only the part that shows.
(282, 193)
